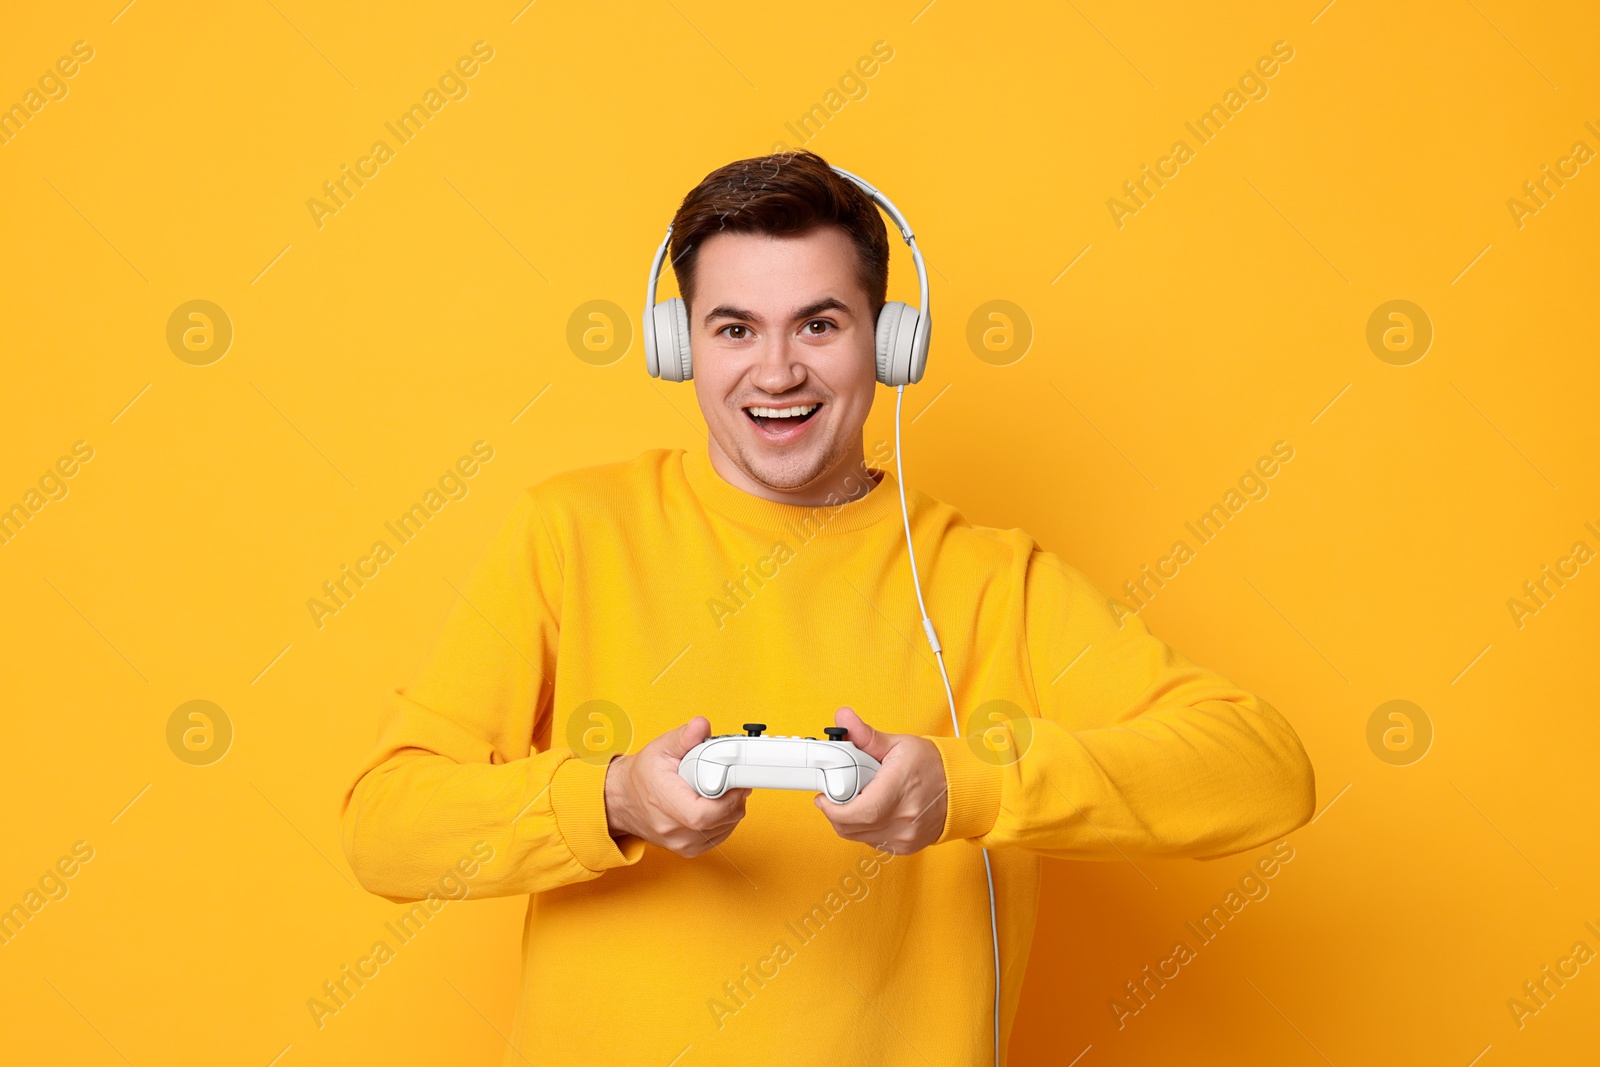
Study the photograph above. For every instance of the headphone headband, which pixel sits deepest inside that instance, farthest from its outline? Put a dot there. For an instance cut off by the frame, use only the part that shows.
(900, 361)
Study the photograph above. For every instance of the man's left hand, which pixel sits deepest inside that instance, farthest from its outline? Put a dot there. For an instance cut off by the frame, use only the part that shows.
(902, 809)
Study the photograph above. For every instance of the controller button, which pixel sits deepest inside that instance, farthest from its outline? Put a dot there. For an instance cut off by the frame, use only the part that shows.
(836, 733)
(753, 729)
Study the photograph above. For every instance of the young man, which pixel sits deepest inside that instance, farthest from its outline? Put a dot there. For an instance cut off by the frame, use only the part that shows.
(765, 579)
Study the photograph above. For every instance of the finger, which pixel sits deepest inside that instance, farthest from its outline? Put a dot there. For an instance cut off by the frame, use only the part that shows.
(845, 817)
(677, 743)
(869, 740)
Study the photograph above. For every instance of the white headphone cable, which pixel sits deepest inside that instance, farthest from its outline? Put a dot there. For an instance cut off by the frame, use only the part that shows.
(938, 653)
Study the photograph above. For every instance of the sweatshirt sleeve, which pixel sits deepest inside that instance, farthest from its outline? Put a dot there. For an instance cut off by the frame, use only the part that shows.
(455, 768)
(1128, 747)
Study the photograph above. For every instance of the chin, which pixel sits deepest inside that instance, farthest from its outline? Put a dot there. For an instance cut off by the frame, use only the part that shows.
(788, 472)
(784, 468)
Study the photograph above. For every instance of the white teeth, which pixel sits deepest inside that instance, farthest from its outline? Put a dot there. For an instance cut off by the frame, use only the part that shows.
(784, 413)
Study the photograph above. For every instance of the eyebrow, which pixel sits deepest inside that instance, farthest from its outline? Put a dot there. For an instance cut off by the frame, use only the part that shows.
(726, 311)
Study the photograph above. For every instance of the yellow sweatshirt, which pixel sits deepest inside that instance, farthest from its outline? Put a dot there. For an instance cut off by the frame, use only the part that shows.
(619, 601)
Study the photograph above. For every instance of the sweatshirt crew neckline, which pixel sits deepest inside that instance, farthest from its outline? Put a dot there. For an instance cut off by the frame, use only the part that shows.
(731, 502)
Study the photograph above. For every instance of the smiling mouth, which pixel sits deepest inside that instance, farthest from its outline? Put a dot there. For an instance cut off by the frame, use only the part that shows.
(777, 420)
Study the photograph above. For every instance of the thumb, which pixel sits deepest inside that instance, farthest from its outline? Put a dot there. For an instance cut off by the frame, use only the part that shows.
(874, 743)
(678, 742)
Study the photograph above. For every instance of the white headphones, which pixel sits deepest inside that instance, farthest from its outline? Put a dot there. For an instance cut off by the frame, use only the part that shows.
(902, 331)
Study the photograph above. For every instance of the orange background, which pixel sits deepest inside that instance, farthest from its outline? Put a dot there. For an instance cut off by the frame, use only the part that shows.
(1230, 312)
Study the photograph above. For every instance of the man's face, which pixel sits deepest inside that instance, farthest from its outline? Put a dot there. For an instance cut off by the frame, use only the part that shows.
(783, 342)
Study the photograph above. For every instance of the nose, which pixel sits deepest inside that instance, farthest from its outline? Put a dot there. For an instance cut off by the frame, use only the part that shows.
(777, 368)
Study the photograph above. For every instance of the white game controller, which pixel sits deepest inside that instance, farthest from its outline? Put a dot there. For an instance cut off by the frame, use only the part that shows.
(835, 768)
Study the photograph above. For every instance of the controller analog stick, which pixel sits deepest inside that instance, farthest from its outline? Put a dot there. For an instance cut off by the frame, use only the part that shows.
(836, 733)
(753, 729)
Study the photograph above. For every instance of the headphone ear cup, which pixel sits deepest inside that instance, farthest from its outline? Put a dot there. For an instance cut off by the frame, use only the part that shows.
(680, 335)
(897, 325)
(669, 357)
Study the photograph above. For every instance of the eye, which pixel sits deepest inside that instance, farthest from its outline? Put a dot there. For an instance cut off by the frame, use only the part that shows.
(743, 331)
(811, 327)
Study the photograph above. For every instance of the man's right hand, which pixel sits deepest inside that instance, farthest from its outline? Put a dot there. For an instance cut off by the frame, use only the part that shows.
(646, 798)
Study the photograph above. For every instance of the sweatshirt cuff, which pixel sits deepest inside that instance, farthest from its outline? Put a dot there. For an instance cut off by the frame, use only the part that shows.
(578, 797)
(973, 802)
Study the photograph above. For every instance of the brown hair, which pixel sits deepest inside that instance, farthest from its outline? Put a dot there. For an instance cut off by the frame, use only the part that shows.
(782, 194)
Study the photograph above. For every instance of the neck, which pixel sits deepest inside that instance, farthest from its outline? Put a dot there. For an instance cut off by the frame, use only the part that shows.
(844, 481)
